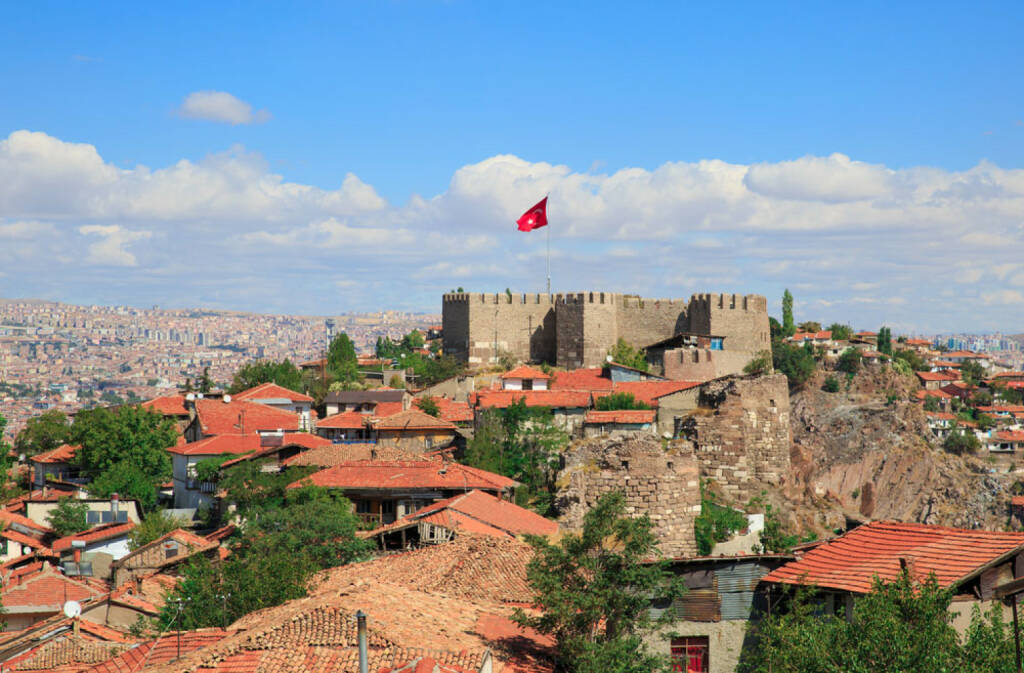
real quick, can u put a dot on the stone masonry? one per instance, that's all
(741, 433)
(662, 483)
(576, 330)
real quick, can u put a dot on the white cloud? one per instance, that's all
(220, 106)
(1003, 297)
(849, 238)
(111, 249)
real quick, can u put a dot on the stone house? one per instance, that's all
(413, 431)
(569, 407)
(378, 401)
(618, 423)
(56, 464)
(160, 554)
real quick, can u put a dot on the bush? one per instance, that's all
(761, 364)
(849, 361)
(716, 523)
(831, 385)
(796, 362)
(68, 517)
(961, 441)
(624, 354)
(618, 401)
(428, 406)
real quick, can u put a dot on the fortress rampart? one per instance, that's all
(577, 329)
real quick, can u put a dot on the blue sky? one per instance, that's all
(419, 99)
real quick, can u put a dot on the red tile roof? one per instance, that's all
(346, 420)
(161, 651)
(524, 372)
(462, 512)
(1010, 435)
(217, 417)
(383, 409)
(937, 376)
(630, 416)
(270, 391)
(556, 399)
(335, 454)
(413, 419)
(236, 444)
(850, 562)
(22, 539)
(44, 591)
(581, 379)
(10, 518)
(648, 392)
(823, 335)
(938, 416)
(168, 405)
(451, 411)
(1017, 500)
(427, 474)
(64, 453)
(941, 394)
(102, 532)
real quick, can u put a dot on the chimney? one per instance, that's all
(138, 584)
(115, 506)
(190, 406)
(363, 656)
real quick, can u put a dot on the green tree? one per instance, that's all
(413, 340)
(68, 517)
(253, 490)
(840, 332)
(617, 401)
(788, 326)
(205, 382)
(809, 326)
(971, 372)
(903, 626)
(912, 358)
(128, 435)
(716, 523)
(796, 362)
(884, 341)
(831, 385)
(342, 361)
(760, 364)
(258, 372)
(624, 354)
(271, 561)
(594, 591)
(127, 480)
(156, 524)
(849, 361)
(961, 441)
(43, 433)
(428, 406)
(931, 404)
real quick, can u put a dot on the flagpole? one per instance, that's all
(548, 230)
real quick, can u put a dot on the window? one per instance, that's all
(362, 507)
(527, 384)
(92, 517)
(716, 343)
(387, 507)
(429, 441)
(3, 546)
(690, 655)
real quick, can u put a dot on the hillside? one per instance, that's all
(856, 456)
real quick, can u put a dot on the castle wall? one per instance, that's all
(741, 434)
(523, 325)
(693, 364)
(742, 319)
(661, 483)
(586, 328)
(645, 321)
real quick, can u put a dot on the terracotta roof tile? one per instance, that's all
(525, 372)
(64, 453)
(238, 444)
(648, 392)
(335, 454)
(451, 411)
(44, 591)
(346, 420)
(102, 532)
(850, 561)
(412, 419)
(631, 416)
(581, 379)
(556, 399)
(168, 405)
(427, 474)
(270, 391)
(937, 376)
(153, 653)
(217, 417)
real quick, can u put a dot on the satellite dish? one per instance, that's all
(72, 609)
(609, 358)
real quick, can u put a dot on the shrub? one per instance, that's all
(831, 385)
(849, 361)
(617, 401)
(761, 364)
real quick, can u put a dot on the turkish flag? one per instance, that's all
(535, 217)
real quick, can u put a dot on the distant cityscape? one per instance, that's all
(67, 357)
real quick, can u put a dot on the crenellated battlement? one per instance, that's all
(499, 298)
(730, 302)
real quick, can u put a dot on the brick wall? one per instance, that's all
(741, 434)
(524, 325)
(661, 483)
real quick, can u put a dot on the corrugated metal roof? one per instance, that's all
(736, 604)
(699, 605)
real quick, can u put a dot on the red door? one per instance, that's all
(690, 655)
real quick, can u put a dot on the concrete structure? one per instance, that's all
(577, 330)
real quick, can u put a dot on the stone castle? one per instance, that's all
(577, 330)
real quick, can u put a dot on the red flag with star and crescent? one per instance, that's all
(535, 217)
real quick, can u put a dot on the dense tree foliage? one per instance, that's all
(972, 373)
(788, 326)
(342, 361)
(902, 626)
(831, 385)
(522, 443)
(840, 332)
(156, 524)
(809, 326)
(594, 591)
(796, 362)
(884, 341)
(849, 361)
(429, 406)
(429, 369)
(912, 358)
(624, 354)
(716, 523)
(253, 491)
(272, 560)
(68, 517)
(617, 401)
(961, 441)
(258, 372)
(42, 433)
(124, 450)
